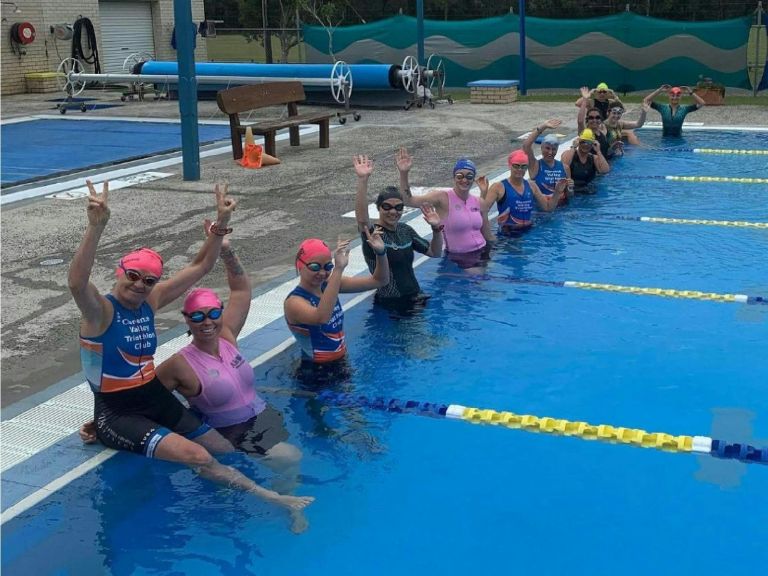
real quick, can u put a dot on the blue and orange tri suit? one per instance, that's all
(320, 343)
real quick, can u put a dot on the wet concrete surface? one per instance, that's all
(278, 207)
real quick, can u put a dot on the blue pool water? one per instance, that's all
(403, 494)
(44, 148)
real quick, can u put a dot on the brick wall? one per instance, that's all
(492, 95)
(45, 53)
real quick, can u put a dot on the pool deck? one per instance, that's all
(306, 195)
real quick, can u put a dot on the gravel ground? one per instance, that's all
(278, 207)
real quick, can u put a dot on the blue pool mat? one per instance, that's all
(44, 148)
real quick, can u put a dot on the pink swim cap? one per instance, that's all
(517, 157)
(310, 249)
(142, 259)
(200, 298)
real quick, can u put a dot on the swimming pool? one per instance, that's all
(46, 147)
(414, 495)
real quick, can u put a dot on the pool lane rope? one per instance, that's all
(727, 151)
(689, 221)
(637, 290)
(710, 151)
(664, 220)
(717, 179)
(556, 426)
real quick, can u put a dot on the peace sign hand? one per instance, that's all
(98, 211)
(224, 206)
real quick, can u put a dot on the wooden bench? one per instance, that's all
(244, 98)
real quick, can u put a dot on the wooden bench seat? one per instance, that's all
(235, 101)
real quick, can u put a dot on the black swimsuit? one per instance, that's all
(583, 173)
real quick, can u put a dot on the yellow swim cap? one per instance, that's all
(602, 86)
(587, 134)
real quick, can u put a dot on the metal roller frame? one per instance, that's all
(72, 81)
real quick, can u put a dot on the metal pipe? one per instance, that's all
(173, 79)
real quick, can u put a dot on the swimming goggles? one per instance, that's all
(316, 266)
(198, 315)
(397, 207)
(467, 177)
(135, 276)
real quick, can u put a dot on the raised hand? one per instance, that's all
(585, 92)
(686, 89)
(552, 123)
(224, 205)
(98, 211)
(403, 160)
(430, 213)
(363, 166)
(482, 184)
(666, 87)
(341, 255)
(375, 240)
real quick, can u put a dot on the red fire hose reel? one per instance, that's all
(23, 33)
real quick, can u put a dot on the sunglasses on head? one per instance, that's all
(135, 276)
(588, 142)
(460, 176)
(198, 315)
(316, 266)
(602, 91)
(387, 206)
(518, 166)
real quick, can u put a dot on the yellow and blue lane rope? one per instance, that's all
(556, 426)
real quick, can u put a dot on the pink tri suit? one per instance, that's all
(227, 396)
(463, 225)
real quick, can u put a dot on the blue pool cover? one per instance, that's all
(44, 148)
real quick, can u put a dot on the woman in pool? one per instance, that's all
(515, 195)
(547, 172)
(312, 309)
(402, 292)
(618, 130)
(218, 382)
(600, 97)
(133, 410)
(673, 114)
(464, 218)
(585, 161)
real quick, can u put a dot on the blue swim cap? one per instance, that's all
(464, 164)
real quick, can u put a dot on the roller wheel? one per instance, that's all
(356, 116)
(450, 100)
(123, 98)
(431, 104)
(62, 110)
(82, 108)
(342, 120)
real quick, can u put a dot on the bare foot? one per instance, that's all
(294, 502)
(299, 522)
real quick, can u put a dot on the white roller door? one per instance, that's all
(126, 28)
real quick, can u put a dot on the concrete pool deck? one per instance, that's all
(279, 206)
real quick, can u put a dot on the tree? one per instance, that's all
(329, 14)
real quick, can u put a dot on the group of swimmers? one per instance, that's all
(134, 405)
